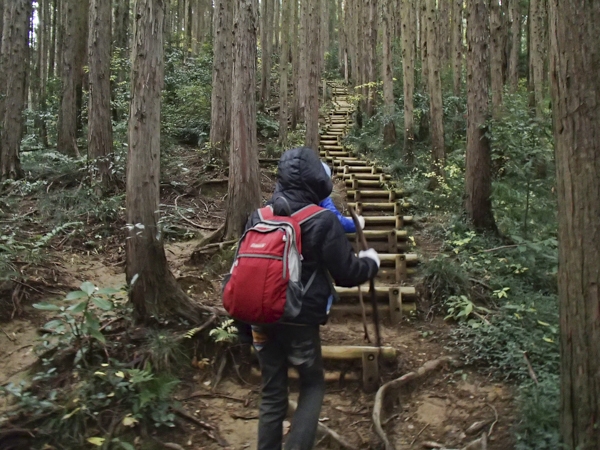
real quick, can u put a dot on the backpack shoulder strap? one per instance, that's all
(266, 213)
(307, 212)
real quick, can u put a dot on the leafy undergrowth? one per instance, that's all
(500, 290)
(101, 380)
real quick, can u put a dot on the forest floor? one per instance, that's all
(437, 410)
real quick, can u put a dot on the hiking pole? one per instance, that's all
(361, 236)
(360, 294)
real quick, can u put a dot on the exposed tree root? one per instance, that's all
(428, 367)
(210, 249)
(324, 430)
(211, 430)
(217, 236)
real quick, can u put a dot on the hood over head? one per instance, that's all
(327, 169)
(301, 177)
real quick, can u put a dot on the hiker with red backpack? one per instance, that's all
(280, 282)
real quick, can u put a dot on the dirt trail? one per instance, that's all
(19, 338)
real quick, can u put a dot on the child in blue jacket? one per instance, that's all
(346, 222)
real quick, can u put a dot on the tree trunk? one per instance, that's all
(537, 13)
(276, 25)
(324, 33)
(387, 75)
(266, 43)
(1, 19)
(365, 58)
(303, 57)
(311, 111)
(220, 116)
(53, 41)
(372, 56)
(244, 173)
(574, 62)
(478, 176)
(442, 29)
(189, 25)
(424, 45)
(120, 36)
(154, 292)
(121, 27)
(457, 45)
(295, 51)
(515, 48)
(100, 141)
(409, 34)
(283, 72)
(497, 51)
(75, 17)
(436, 112)
(15, 58)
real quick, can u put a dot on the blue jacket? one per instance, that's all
(346, 222)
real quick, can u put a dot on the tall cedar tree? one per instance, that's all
(220, 105)
(409, 36)
(74, 45)
(266, 43)
(575, 76)
(120, 39)
(15, 51)
(387, 74)
(1, 18)
(371, 56)
(436, 111)
(154, 291)
(478, 176)
(311, 111)
(283, 72)
(457, 44)
(100, 137)
(515, 47)
(295, 52)
(244, 171)
(537, 47)
(497, 47)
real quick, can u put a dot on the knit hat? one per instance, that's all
(327, 169)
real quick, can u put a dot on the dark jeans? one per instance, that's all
(299, 347)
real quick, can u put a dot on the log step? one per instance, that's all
(371, 235)
(349, 352)
(360, 183)
(374, 196)
(356, 169)
(384, 310)
(330, 376)
(383, 177)
(383, 241)
(380, 291)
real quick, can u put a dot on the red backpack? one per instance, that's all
(264, 285)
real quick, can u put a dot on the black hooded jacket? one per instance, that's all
(302, 180)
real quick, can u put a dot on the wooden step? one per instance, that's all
(366, 208)
(368, 176)
(380, 290)
(330, 376)
(342, 170)
(383, 241)
(374, 196)
(408, 309)
(349, 352)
